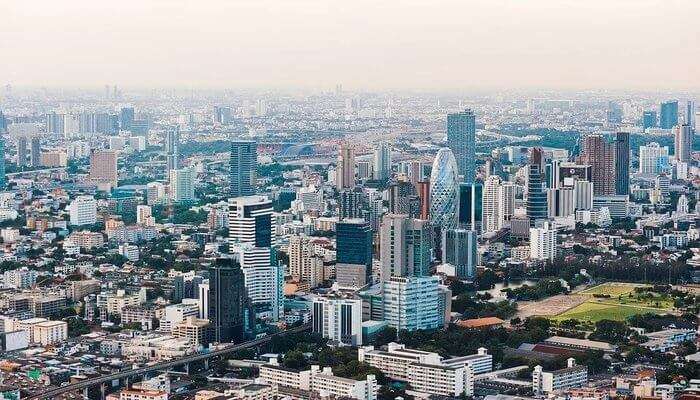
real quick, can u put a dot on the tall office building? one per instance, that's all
(405, 245)
(55, 123)
(412, 303)
(583, 195)
(345, 168)
(461, 139)
(653, 159)
(382, 162)
(471, 206)
(351, 203)
(690, 114)
(3, 123)
(227, 301)
(459, 249)
(507, 200)
(182, 184)
(423, 190)
(353, 253)
(403, 199)
(683, 143)
(492, 220)
(648, 120)
(600, 155)
(443, 191)
(172, 149)
(222, 114)
(614, 113)
(536, 204)
(243, 166)
(560, 202)
(83, 211)
(622, 163)
(668, 115)
(21, 151)
(126, 118)
(543, 243)
(338, 319)
(103, 169)
(304, 264)
(35, 156)
(251, 241)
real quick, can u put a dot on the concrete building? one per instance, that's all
(412, 303)
(338, 319)
(103, 169)
(543, 242)
(83, 211)
(544, 383)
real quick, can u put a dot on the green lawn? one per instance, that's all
(613, 289)
(593, 312)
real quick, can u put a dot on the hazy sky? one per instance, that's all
(428, 44)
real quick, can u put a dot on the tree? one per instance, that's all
(385, 336)
(610, 331)
(295, 360)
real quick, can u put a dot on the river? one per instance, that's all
(496, 293)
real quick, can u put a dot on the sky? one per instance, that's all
(361, 44)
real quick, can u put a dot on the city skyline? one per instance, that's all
(406, 45)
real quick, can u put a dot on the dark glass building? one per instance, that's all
(470, 205)
(242, 168)
(354, 243)
(622, 163)
(536, 205)
(228, 301)
(126, 118)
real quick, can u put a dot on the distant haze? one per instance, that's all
(379, 44)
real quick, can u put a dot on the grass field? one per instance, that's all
(613, 289)
(619, 306)
(594, 312)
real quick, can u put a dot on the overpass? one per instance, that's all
(164, 365)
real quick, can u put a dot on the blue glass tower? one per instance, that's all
(668, 117)
(443, 191)
(461, 139)
(649, 119)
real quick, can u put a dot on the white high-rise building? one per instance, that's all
(304, 264)
(144, 215)
(507, 201)
(682, 206)
(683, 142)
(382, 162)
(543, 242)
(412, 303)
(83, 211)
(338, 319)
(182, 184)
(560, 202)
(491, 204)
(653, 159)
(251, 241)
(155, 193)
(583, 195)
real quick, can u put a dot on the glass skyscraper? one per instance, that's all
(227, 301)
(443, 190)
(649, 119)
(242, 168)
(668, 117)
(622, 163)
(470, 205)
(354, 242)
(172, 149)
(536, 205)
(461, 139)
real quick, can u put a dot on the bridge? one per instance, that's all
(164, 365)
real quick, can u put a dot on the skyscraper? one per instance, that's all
(683, 143)
(622, 163)
(470, 206)
(35, 156)
(443, 191)
(423, 190)
(600, 155)
(182, 184)
(461, 139)
(382, 162)
(653, 159)
(543, 243)
(227, 301)
(103, 169)
(351, 203)
(404, 246)
(353, 253)
(403, 199)
(668, 115)
(492, 219)
(345, 168)
(649, 119)
(536, 204)
(21, 151)
(126, 118)
(243, 166)
(459, 249)
(690, 114)
(251, 241)
(172, 149)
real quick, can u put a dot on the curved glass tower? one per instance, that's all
(444, 181)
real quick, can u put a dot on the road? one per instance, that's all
(161, 365)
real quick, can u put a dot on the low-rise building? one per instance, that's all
(544, 383)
